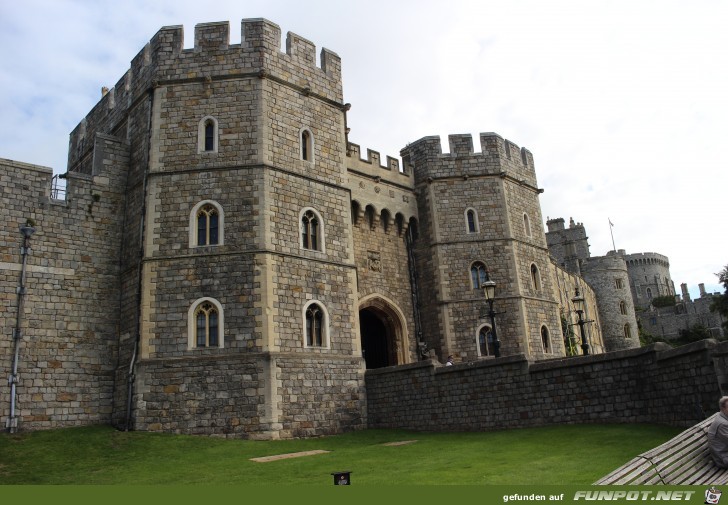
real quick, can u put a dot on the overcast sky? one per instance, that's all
(624, 104)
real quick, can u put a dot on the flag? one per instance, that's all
(610, 222)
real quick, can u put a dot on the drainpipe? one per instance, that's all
(140, 275)
(12, 422)
(421, 344)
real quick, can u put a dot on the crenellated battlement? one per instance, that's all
(257, 36)
(491, 144)
(647, 258)
(372, 166)
(497, 156)
(164, 60)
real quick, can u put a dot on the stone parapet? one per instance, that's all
(655, 384)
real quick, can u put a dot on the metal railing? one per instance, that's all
(58, 187)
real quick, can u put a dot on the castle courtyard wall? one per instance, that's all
(655, 384)
(68, 349)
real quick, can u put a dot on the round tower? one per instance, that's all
(608, 277)
(649, 277)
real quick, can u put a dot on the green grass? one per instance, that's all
(578, 454)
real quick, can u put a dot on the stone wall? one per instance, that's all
(71, 319)
(667, 322)
(649, 277)
(566, 283)
(498, 187)
(648, 385)
(607, 275)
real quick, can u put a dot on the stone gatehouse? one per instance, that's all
(226, 261)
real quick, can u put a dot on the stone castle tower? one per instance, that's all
(649, 275)
(226, 262)
(480, 212)
(607, 275)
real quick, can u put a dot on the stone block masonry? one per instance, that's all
(655, 384)
(69, 347)
(227, 263)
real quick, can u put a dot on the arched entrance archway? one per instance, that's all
(382, 330)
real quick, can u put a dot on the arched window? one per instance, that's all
(545, 339)
(622, 308)
(205, 324)
(627, 331)
(485, 341)
(385, 217)
(316, 325)
(355, 209)
(413, 231)
(649, 294)
(369, 213)
(312, 233)
(206, 224)
(535, 278)
(478, 274)
(527, 225)
(399, 222)
(306, 145)
(207, 135)
(471, 221)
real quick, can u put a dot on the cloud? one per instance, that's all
(622, 104)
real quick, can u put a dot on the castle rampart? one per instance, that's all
(654, 384)
(227, 263)
(566, 284)
(164, 61)
(68, 349)
(497, 157)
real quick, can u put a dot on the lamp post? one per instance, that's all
(489, 291)
(578, 302)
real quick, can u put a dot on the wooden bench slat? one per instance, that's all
(690, 457)
(631, 470)
(684, 459)
(706, 474)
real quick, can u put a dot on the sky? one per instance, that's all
(624, 104)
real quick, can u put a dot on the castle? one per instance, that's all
(649, 279)
(225, 261)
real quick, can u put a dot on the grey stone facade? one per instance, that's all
(668, 322)
(654, 384)
(648, 277)
(607, 276)
(227, 263)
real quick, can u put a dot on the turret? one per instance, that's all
(480, 211)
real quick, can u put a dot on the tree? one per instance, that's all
(693, 334)
(720, 302)
(664, 301)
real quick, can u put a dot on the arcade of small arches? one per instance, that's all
(647, 261)
(371, 217)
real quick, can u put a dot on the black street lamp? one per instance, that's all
(578, 302)
(489, 291)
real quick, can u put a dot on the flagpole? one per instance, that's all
(612, 234)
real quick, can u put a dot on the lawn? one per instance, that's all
(565, 455)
